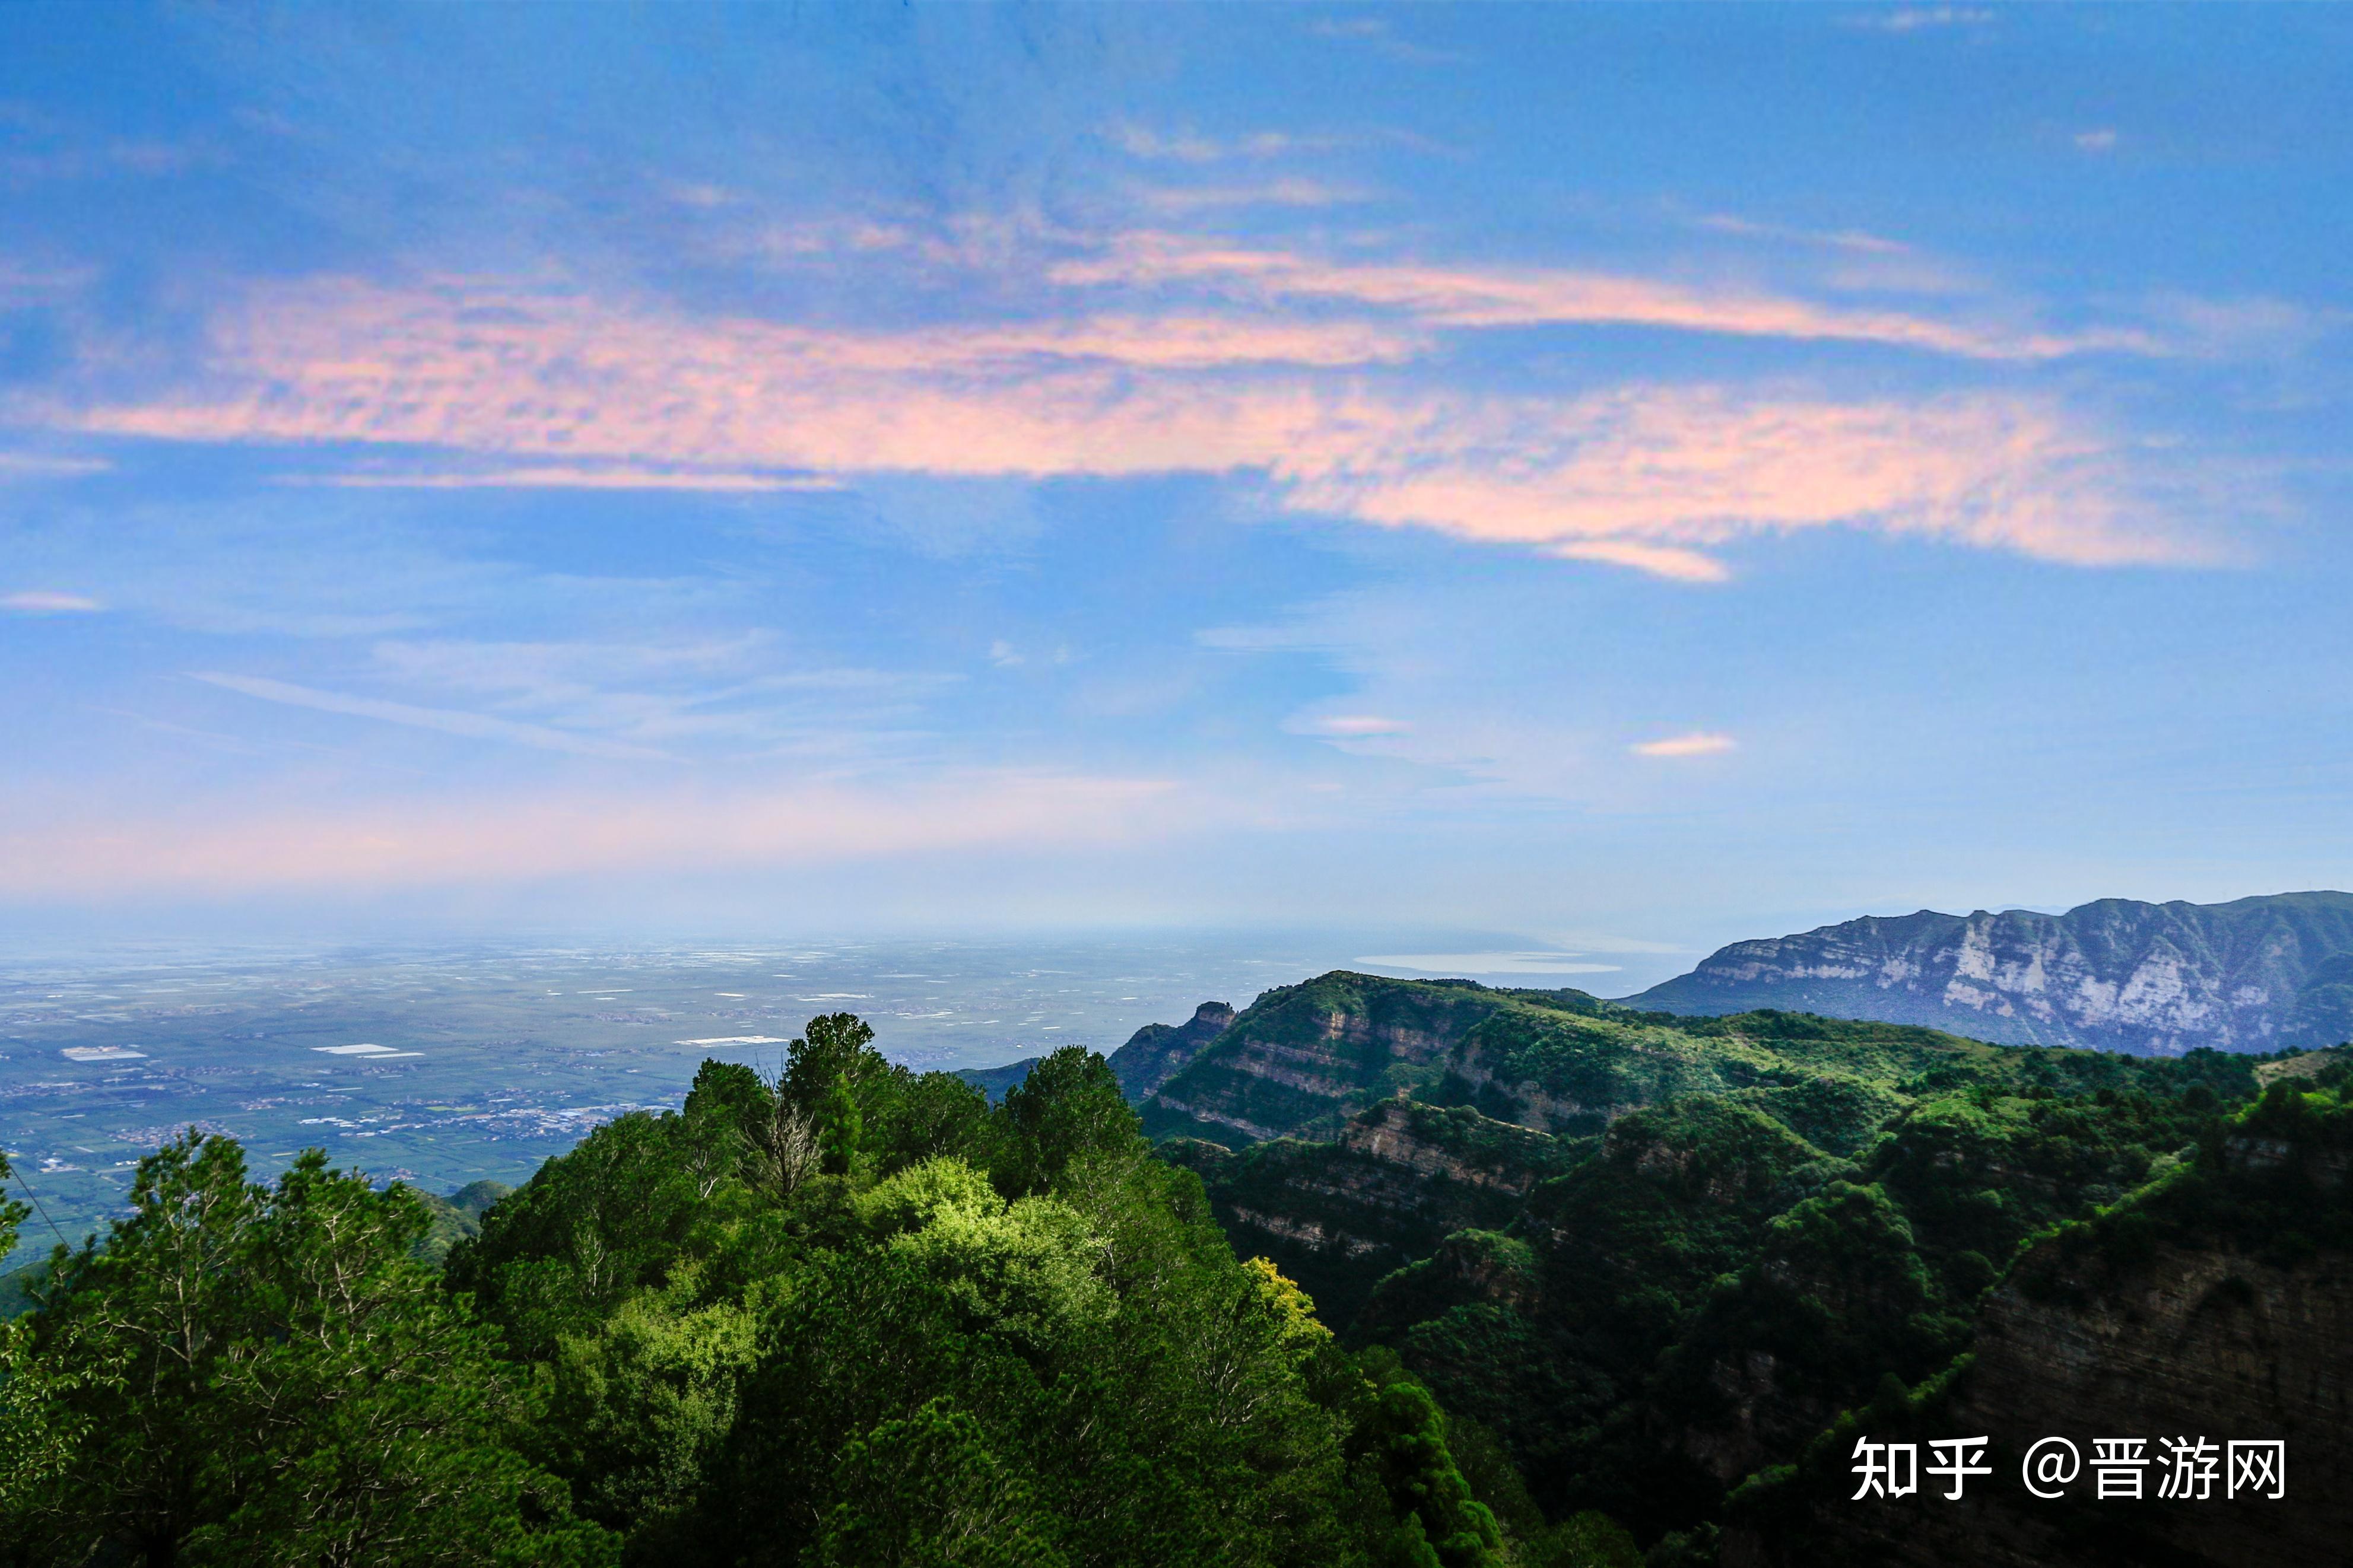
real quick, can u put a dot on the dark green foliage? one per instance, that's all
(930, 1492)
(15, 1286)
(830, 1048)
(11, 1212)
(257, 1375)
(1438, 1521)
(452, 1219)
(1070, 1103)
(1784, 1210)
(1588, 1540)
(1390, 1214)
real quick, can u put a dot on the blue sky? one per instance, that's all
(1608, 477)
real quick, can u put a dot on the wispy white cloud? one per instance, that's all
(1293, 192)
(1375, 33)
(1189, 146)
(2100, 139)
(1355, 726)
(1924, 18)
(1852, 239)
(474, 726)
(1701, 743)
(43, 466)
(48, 602)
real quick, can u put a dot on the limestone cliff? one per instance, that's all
(1304, 1058)
(1400, 1177)
(1158, 1052)
(2257, 975)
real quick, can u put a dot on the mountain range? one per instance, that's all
(1673, 1268)
(2255, 975)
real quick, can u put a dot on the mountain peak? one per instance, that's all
(2253, 974)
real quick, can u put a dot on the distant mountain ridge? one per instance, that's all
(1153, 1055)
(1157, 1052)
(2255, 975)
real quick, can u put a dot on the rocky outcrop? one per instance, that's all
(1158, 1052)
(1304, 1058)
(2257, 975)
(1401, 1177)
(1459, 1146)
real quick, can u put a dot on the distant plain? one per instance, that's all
(487, 1060)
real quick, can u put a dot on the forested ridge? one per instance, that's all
(1657, 1259)
(853, 1315)
(1583, 1288)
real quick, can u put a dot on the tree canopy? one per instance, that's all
(849, 1315)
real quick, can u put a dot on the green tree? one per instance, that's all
(930, 1492)
(260, 1375)
(1439, 1523)
(831, 1045)
(839, 1128)
(1069, 1104)
(11, 1212)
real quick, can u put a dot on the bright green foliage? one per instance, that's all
(257, 1375)
(638, 1410)
(944, 1333)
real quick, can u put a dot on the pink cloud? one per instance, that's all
(1681, 466)
(404, 844)
(1700, 744)
(1658, 560)
(558, 388)
(574, 476)
(1471, 297)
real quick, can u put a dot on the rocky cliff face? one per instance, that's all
(1158, 1052)
(1400, 1177)
(2255, 976)
(1304, 1058)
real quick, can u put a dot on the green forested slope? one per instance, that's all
(1590, 1282)
(856, 1316)
(1738, 1227)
